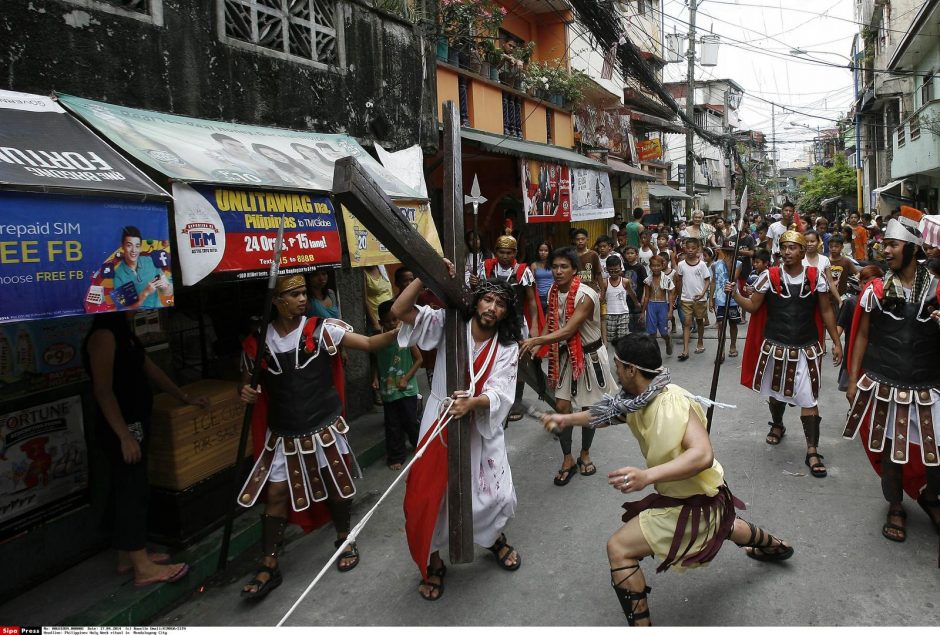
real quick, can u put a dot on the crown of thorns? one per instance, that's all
(496, 287)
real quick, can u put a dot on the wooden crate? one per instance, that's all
(189, 443)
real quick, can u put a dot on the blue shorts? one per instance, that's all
(657, 318)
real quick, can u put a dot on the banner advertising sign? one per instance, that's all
(40, 355)
(43, 147)
(649, 149)
(202, 150)
(43, 464)
(546, 191)
(233, 232)
(591, 197)
(365, 250)
(64, 255)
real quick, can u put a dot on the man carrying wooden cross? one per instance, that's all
(493, 331)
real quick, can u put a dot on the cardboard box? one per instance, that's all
(189, 443)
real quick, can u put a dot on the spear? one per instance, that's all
(723, 328)
(249, 409)
(476, 200)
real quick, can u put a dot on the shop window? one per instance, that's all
(512, 115)
(548, 126)
(144, 10)
(306, 31)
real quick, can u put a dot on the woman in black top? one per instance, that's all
(121, 372)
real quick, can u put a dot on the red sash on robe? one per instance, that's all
(755, 330)
(427, 479)
(913, 473)
(317, 514)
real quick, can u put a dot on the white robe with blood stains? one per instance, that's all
(493, 495)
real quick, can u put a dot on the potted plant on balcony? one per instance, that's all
(463, 22)
(572, 89)
(540, 77)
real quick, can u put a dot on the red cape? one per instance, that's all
(317, 514)
(427, 481)
(913, 473)
(755, 330)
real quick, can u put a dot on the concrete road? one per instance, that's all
(843, 573)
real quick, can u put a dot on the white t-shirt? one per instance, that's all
(694, 279)
(763, 281)
(617, 298)
(603, 260)
(822, 263)
(774, 232)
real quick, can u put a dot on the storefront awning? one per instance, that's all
(664, 191)
(44, 149)
(657, 122)
(827, 201)
(531, 150)
(205, 151)
(892, 189)
(619, 167)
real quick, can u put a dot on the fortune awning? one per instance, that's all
(45, 149)
(664, 191)
(205, 151)
(500, 144)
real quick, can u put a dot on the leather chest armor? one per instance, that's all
(907, 351)
(791, 321)
(302, 398)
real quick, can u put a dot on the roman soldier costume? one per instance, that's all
(897, 404)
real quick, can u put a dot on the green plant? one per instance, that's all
(838, 180)
(464, 21)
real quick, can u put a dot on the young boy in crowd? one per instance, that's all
(620, 293)
(396, 383)
(605, 247)
(657, 299)
(635, 272)
(760, 261)
(723, 271)
(841, 265)
(692, 277)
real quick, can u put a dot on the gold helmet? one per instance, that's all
(506, 242)
(792, 236)
(282, 286)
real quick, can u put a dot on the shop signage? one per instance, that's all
(68, 255)
(546, 191)
(43, 147)
(649, 149)
(365, 250)
(43, 464)
(591, 197)
(202, 150)
(41, 354)
(231, 233)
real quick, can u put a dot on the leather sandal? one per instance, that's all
(889, 526)
(776, 436)
(350, 552)
(263, 586)
(764, 546)
(564, 476)
(503, 561)
(816, 469)
(436, 587)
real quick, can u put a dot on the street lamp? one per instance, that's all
(798, 52)
(817, 142)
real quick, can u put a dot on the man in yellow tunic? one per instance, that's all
(692, 512)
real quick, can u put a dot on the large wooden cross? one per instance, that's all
(355, 189)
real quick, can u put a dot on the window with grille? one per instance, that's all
(512, 115)
(143, 10)
(299, 30)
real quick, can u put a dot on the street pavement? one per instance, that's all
(844, 573)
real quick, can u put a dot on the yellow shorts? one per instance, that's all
(695, 309)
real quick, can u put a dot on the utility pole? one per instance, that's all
(690, 114)
(773, 154)
(726, 160)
